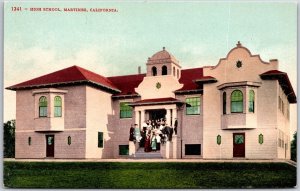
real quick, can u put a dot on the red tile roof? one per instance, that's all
(284, 82)
(121, 85)
(126, 84)
(188, 76)
(65, 76)
(156, 101)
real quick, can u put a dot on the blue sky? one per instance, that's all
(196, 33)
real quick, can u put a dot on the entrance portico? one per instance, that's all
(143, 108)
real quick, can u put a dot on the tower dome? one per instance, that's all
(162, 56)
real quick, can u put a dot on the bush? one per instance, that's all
(294, 148)
(9, 139)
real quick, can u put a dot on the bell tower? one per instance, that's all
(162, 78)
(163, 63)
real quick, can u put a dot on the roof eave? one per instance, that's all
(188, 91)
(205, 81)
(291, 96)
(156, 103)
(125, 96)
(61, 83)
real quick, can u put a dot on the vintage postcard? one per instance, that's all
(150, 94)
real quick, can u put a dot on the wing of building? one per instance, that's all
(236, 109)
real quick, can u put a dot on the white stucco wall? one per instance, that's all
(265, 103)
(98, 108)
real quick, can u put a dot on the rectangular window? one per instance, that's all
(123, 149)
(43, 112)
(57, 111)
(100, 139)
(125, 110)
(193, 149)
(193, 106)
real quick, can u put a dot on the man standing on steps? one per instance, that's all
(131, 134)
(175, 126)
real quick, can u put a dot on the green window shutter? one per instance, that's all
(236, 101)
(125, 110)
(251, 101)
(260, 139)
(69, 140)
(193, 106)
(100, 139)
(219, 139)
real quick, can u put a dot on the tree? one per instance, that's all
(294, 147)
(9, 138)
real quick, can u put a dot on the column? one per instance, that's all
(142, 118)
(174, 115)
(136, 117)
(168, 117)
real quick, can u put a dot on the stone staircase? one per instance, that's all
(140, 154)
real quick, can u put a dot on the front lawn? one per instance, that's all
(148, 175)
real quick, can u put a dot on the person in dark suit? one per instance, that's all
(175, 126)
(131, 134)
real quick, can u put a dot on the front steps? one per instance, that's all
(140, 154)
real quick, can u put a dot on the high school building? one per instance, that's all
(236, 109)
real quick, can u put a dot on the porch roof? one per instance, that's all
(157, 101)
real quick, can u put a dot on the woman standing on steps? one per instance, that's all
(153, 141)
(147, 147)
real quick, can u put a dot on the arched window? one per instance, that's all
(57, 106)
(251, 101)
(154, 71)
(236, 101)
(174, 71)
(43, 106)
(164, 70)
(29, 140)
(224, 103)
(177, 73)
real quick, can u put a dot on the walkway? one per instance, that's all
(154, 160)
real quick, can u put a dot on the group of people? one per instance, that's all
(152, 134)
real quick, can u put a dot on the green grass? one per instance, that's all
(148, 175)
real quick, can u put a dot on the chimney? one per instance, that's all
(139, 70)
(274, 62)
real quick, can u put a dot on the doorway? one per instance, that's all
(49, 145)
(157, 114)
(238, 144)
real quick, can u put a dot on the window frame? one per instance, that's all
(224, 96)
(164, 70)
(127, 110)
(236, 101)
(251, 101)
(57, 105)
(127, 147)
(43, 105)
(187, 112)
(192, 150)
(100, 140)
(154, 71)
